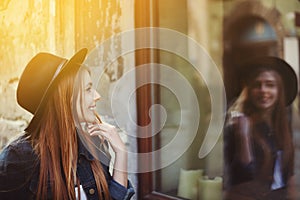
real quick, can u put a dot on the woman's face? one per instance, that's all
(264, 90)
(86, 103)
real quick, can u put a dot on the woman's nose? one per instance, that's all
(97, 96)
(263, 88)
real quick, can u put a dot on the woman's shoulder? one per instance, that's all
(19, 149)
(17, 164)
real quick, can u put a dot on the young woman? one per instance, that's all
(56, 157)
(258, 146)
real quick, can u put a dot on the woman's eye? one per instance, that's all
(89, 89)
(271, 85)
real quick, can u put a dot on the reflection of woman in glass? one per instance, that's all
(55, 158)
(258, 146)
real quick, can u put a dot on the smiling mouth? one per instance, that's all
(264, 100)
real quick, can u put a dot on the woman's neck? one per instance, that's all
(263, 116)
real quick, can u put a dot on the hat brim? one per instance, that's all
(73, 64)
(286, 72)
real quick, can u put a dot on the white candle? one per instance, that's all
(188, 183)
(210, 189)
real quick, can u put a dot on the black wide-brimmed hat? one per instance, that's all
(40, 75)
(286, 72)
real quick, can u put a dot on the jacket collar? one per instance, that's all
(82, 150)
(103, 157)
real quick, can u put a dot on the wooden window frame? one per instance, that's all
(146, 15)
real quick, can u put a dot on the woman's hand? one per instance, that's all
(110, 133)
(243, 138)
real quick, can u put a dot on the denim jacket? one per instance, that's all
(19, 173)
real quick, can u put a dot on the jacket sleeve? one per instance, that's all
(235, 171)
(116, 190)
(119, 192)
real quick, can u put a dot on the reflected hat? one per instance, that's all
(39, 77)
(286, 72)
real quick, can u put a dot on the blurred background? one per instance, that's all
(230, 31)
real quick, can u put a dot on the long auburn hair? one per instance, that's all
(281, 126)
(54, 139)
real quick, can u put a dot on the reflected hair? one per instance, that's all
(279, 116)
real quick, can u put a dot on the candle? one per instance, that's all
(210, 189)
(188, 183)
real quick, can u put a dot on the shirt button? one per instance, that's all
(92, 191)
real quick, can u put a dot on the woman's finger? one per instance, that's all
(94, 128)
(97, 133)
(103, 127)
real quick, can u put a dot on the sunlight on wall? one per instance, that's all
(60, 27)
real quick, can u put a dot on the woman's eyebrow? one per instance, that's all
(90, 84)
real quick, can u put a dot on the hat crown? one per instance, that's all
(36, 78)
(286, 72)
